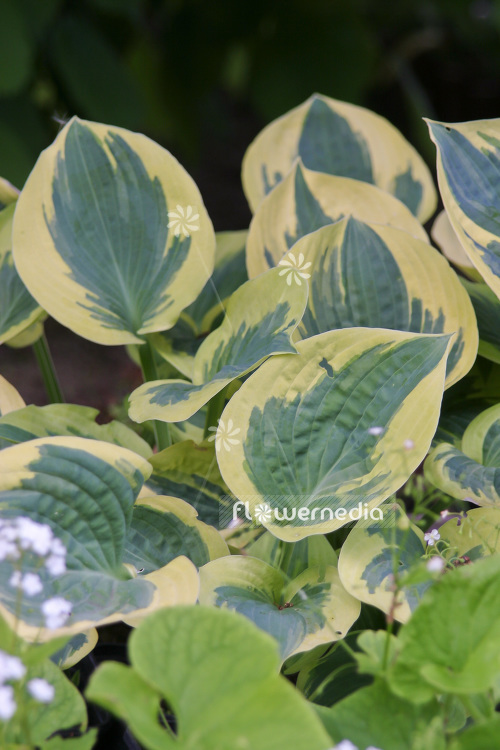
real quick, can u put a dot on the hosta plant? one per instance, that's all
(306, 482)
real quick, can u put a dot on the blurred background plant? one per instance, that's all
(203, 77)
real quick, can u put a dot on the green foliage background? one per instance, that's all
(203, 77)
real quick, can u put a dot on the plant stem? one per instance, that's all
(46, 365)
(149, 372)
(215, 408)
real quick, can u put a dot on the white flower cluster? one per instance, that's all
(348, 745)
(22, 535)
(12, 668)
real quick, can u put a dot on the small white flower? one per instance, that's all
(41, 690)
(57, 548)
(183, 220)
(16, 579)
(31, 584)
(345, 745)
(35, 536)
(432, 537)
(56, 611)
(375, 430)
(444, 513)
(11, 668)
(56, 565)
(263, 513)
(8, 549)
(224, 436)
(294, 268)
(435, 564)
(7, 703)
(408, 445)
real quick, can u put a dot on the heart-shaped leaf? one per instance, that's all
(103, 198)
(381, 277)
(358, 394)
(305, 201)
(338, 139)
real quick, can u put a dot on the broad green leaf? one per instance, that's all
(445, 238)
(67, 709)
(179, 345)
(18, 309)
(293, 558)
(478, 737)
(190, 471)
(67, 419)
(10, 399)
(371, 555)
(375, 717)
(123, 241)
(8, 193)
(85, 742)
(471, 472)
(175, 655)
(76, 649)
(338, 139)
(450, 645)
(468, 167)
(487, 308)
(381, 277)
(300, 612)
(305, 201)
(475, 536)
(249, 334)
(339, 386)
(163, 528)
(85, 491)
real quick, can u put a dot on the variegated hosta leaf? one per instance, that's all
(179, 345)
(190, 471)
(18, 309)
(67, 419)
(76, 649)
(487, 308)
(293, 558)
(163, 528)
(228, 275)
(111, 236)
(468, 167)
(445, 238)
(369, 557)
(85, 491)
(339, 139)
(10, 399)
(8, 193)
(29, 335)
(319, 609)
(475, 536)
(378, 276)
(260, 319)
(473, 472)
(305, 201)
(358, 396)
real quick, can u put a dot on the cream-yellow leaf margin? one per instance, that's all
(351, 133)
(111, 236)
